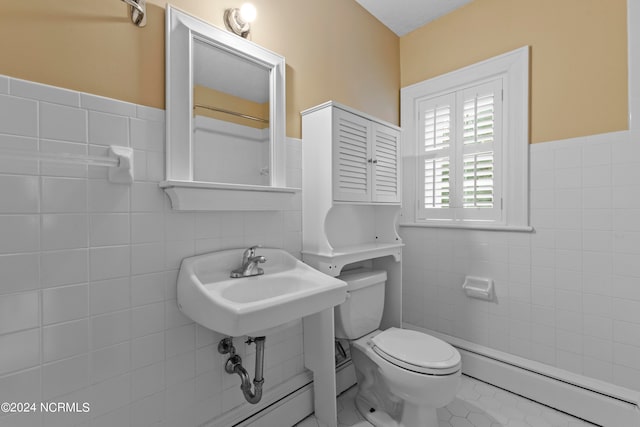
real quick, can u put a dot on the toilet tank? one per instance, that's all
(361, 313)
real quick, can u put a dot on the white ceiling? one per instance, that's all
(404, 16)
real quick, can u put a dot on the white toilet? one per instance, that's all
(403, 375)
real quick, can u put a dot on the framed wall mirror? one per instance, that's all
(225, 110)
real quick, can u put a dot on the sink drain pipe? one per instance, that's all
(234, 366)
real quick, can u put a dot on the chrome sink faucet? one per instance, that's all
(250, 263)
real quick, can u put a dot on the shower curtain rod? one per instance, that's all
(233, 113)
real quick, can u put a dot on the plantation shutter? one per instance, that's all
(480, 109)
(435, 149)
(459, 151)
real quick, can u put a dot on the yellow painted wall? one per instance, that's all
(578, 57)
(334, 50)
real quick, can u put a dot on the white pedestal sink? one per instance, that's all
(256, 305)
(288, 290)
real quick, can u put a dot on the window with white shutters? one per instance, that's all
(468, 133)
(459, 142)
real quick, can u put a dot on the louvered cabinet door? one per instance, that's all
(386, 159)
(351, 157)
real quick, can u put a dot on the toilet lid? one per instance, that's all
(416, 351)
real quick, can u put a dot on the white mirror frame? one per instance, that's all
(181, 30)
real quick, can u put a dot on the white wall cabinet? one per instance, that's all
(351, 196)
(366, 156)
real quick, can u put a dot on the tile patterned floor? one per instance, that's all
(477, 405)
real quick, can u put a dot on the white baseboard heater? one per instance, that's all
(592, 400)
(289, 409)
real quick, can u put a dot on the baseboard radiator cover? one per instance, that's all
(271, 400)
(281, 409)
(592, 400)
(287, 411)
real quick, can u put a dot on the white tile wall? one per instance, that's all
(568, 293)
(88, 271)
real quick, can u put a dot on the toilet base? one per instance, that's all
(374, 415)
(389, 396)
(412, 415)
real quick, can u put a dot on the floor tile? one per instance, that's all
(477, 404)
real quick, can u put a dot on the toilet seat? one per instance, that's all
(416, 351)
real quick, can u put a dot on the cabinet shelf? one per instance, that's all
(332, 262)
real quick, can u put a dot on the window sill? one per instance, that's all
(486, 227)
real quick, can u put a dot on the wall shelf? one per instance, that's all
(208, 196)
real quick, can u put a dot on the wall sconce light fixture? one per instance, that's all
(238, 20)
(138, 11)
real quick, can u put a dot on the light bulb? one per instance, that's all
(248, 12)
